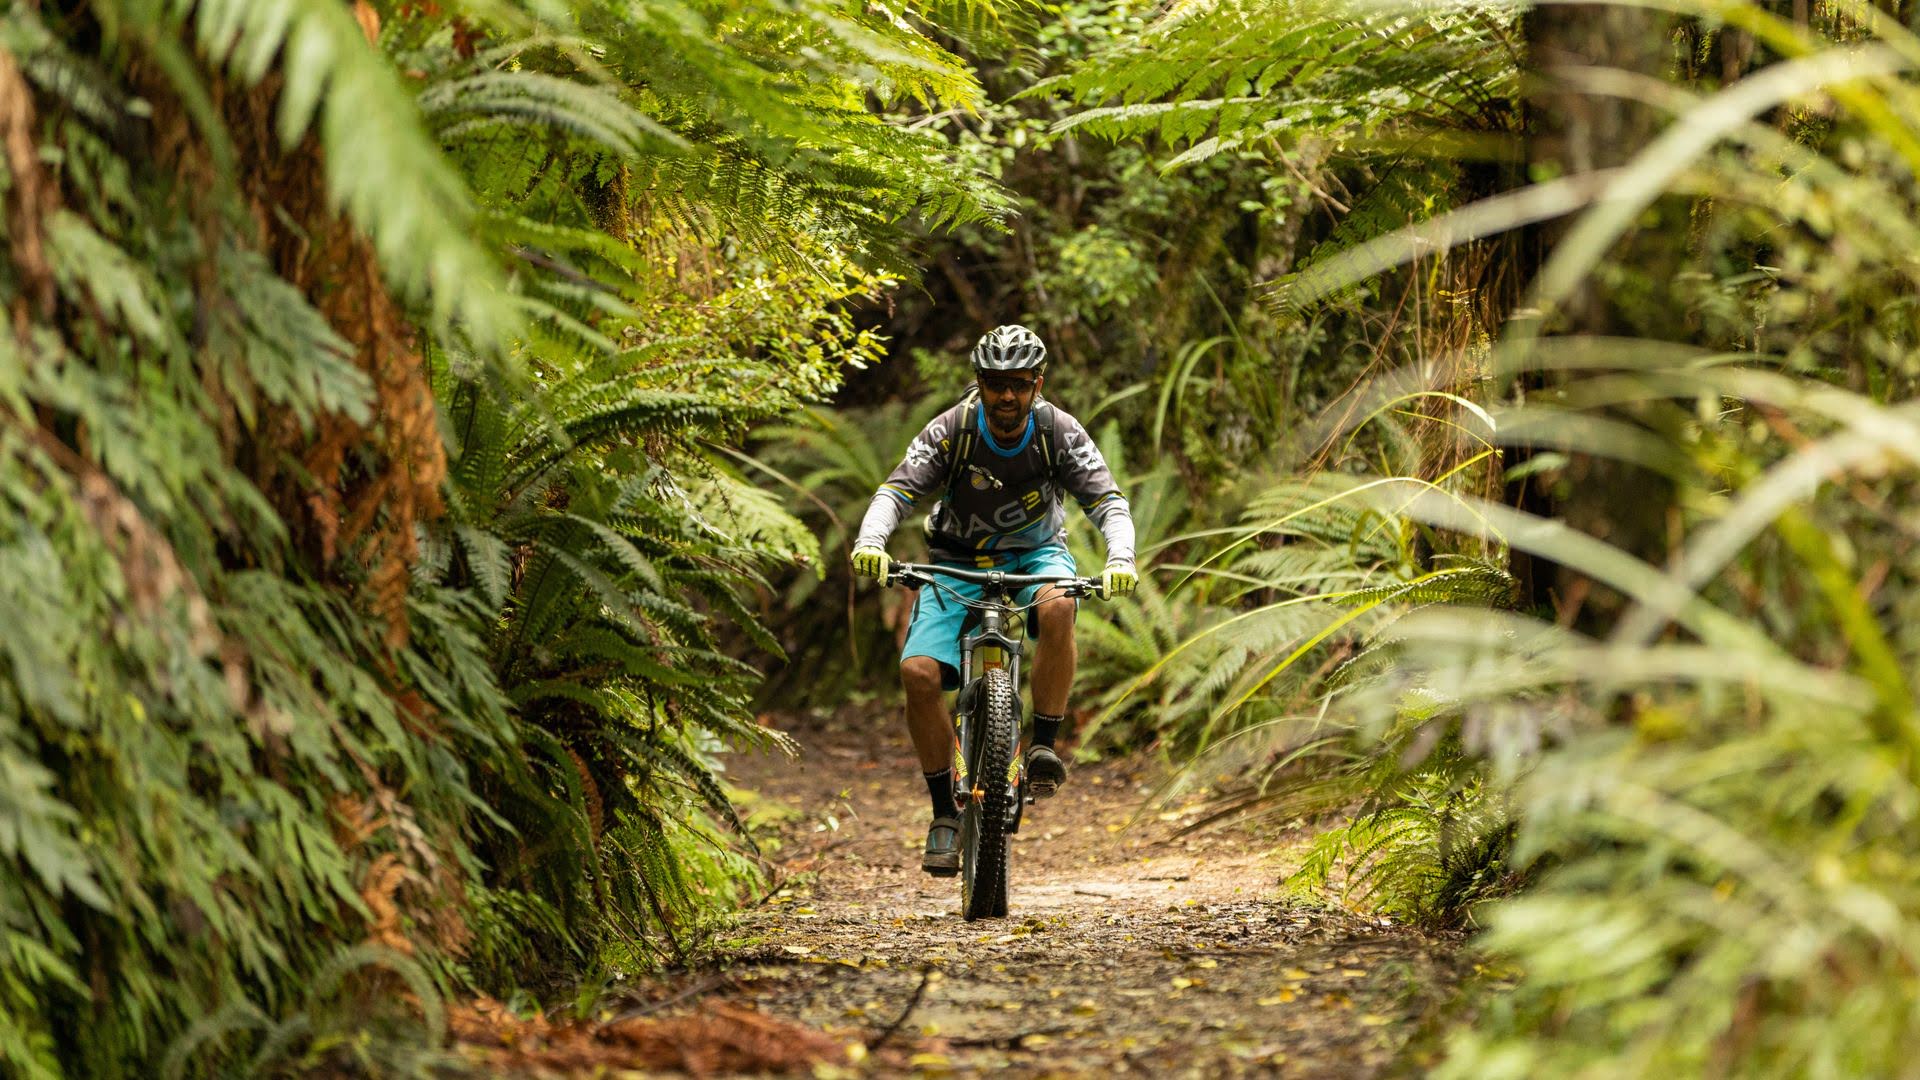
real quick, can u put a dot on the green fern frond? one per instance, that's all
(382, 169)
(1465, 582)
(712, 796)
(464, 106)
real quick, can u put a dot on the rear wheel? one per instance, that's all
(983, 825)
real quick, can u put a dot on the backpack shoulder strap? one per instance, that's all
(1043, 431)
(962, 443)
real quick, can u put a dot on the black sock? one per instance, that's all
(940, 786)
(1046, 729)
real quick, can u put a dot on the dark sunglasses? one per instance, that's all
(1007, 384)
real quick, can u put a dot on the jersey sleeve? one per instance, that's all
(1084, 473)
(921, 472)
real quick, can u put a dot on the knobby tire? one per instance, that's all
(984, 823)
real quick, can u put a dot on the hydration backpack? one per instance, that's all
(969, 436)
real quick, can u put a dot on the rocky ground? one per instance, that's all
(1129, 947)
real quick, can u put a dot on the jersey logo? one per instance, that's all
(1086, 455)
(919, 453)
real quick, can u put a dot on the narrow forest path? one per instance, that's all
(1128, 949)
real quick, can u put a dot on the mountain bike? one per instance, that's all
(989, 777)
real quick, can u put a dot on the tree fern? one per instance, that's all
(1254, 75)
(300, 730)
(381, 168)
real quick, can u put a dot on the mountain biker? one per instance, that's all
(999, 466)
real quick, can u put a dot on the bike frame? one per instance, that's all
(996, 642)
(987, 724)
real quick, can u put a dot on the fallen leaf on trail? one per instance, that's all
(1376, 1020)
(1295, 974)
(797, 950)
(1285, 995)
(921, 1061)
(1034, 1042)
(1351, 973)
(1086, 1008)
(1207, 963)
(1182, 983)
(719, 1038)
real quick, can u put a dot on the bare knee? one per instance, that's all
(1055, 615)
(920, 675)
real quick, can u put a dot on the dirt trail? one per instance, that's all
(1127, 949)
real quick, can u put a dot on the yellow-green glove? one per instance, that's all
(871, 562)
(1118, 580)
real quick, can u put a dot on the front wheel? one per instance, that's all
(983, 825)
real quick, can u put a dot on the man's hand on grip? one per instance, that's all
(1118, 580)
(871, 562)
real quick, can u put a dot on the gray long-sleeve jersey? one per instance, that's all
(1003, 500)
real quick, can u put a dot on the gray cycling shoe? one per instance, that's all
(942, 856)
(1045, 771)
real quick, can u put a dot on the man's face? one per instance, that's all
(1007, 395)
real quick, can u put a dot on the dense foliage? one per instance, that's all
(1695, 735)
(367, 557)
(1547, 408)
(1512, 404)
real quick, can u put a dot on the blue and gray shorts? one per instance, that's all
(937, 617)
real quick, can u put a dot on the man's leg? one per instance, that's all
(933, 646)
(1054, 658)
(1055, 655)
(932, 732)
(927, 719)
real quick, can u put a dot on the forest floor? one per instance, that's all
(1129, 948)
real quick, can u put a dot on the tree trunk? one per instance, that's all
(1569, 133)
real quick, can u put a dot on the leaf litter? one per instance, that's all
(1129, 951)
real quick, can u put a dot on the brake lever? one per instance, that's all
(900, 578)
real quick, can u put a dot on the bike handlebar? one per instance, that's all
(923, 572)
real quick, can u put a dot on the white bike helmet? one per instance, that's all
(1009, 348)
